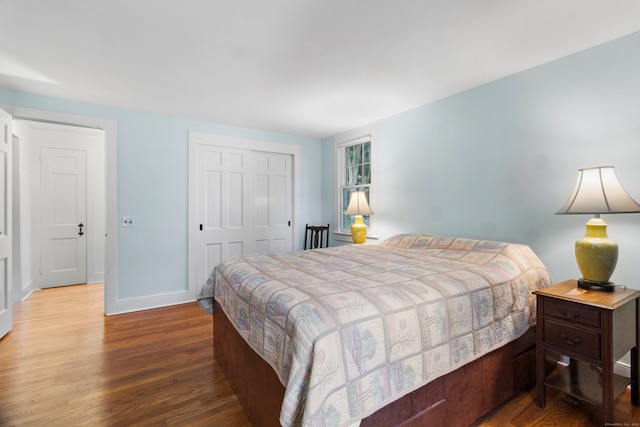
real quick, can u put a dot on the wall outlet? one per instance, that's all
(128, 221)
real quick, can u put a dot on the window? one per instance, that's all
(355, 171)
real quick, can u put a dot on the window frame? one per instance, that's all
(341, 143)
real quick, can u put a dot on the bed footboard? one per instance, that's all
(456, 399)
(465, 395)
(252, 379)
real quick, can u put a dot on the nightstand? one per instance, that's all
(594, 330)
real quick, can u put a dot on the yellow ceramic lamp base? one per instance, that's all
(358, 230)
(597, 255)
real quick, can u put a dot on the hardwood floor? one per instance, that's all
(522, 411)
(65, 364)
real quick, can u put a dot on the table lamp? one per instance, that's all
(597, 192)
(358, 206)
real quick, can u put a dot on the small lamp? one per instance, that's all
(598, 191)
(358, 206)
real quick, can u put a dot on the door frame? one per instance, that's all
(201, 138)
(110, 128)
(6, 224)
(37, 136)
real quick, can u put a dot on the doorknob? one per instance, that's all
(80, 233)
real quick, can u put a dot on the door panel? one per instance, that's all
(64, 217)
(222, 196)
(273, 201)
(6, 302)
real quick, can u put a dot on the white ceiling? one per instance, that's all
(304, 67)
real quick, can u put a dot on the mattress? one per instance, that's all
(349, 329)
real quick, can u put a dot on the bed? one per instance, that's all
(418, 329)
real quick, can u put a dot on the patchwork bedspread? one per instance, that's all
(349, 329)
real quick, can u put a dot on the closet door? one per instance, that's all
(224, 204)
(272, 202)
(244, 205)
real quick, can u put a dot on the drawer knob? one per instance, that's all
(568, 341)
(567, 315)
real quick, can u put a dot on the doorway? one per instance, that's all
(62, 205)
(110, 127)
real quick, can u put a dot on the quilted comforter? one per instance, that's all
(350, 329)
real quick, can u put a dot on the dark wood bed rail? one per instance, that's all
(456, 399)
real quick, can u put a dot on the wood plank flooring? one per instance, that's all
(65, 364)
(522, 411)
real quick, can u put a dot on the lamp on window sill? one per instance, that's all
(358, 206)
(597, 192)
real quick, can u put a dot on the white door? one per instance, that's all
(272, 202)
(64, 216)
(223, 206)
(243, 203)
(6, 303)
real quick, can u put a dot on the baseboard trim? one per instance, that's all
(619, 368)
(622, 369)
(129, 305)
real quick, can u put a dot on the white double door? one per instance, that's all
(244, 204)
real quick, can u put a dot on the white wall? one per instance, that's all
(496, 162)
(20, 289)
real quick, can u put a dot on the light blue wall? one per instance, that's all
(153, 187)
(496, 162)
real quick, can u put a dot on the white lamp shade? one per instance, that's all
(598, 191)
(358, 204)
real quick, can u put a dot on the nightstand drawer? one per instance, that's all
(576, 340)
(573, 312)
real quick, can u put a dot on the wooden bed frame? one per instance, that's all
(456, 399)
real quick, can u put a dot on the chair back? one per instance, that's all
(316, 236)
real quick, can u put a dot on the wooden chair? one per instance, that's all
(314, 236)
